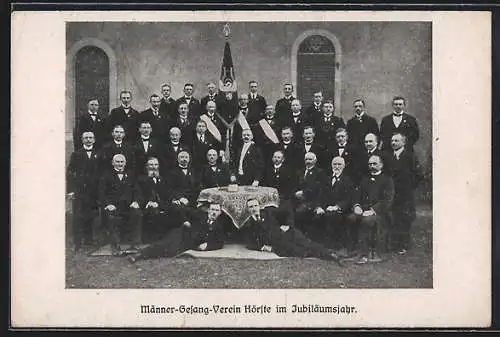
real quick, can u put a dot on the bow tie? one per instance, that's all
(88, 150)
(145, 139)
(397, 115)
(341, 146)
(93, 115)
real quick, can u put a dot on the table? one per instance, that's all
(234, 204)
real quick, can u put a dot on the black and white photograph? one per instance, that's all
(258, 155)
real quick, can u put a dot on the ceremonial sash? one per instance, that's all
(211, 127)
(268, 131)
(243, 121)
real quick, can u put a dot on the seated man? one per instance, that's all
(199, 231)
(214, 173)
(372, 211)
(119, 198)
(265, 233)
(332, 207)
(155, 201)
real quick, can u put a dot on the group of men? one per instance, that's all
(344, 187)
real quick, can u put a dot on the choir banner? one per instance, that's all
(160, 121)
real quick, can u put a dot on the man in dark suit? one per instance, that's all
(372, 212)
(310, 144)
(199, 231)
(168, 107)
(193, 104)
(284, 105)
(342, 148)
(360, 161)
(155, 201)
(249, 162)
(202, 142)
(125, 116)
(315, 110)
(399, 122)
(238, 129)
(82, 173)
(212, 96)
(265, 232)
(171, 150)
(360, 125)
(256, 103)
(311, 180)
(156, 118)
(184, 182)
(92, 121)
(403, 166)
(296, 118)
(289, 146)
(186, 122)
(266, 133)
(214, 173)
(119, 199)
(145, 147)
(327, 124)
(333, 206)
(118, 146)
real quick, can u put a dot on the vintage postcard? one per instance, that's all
(251, 169)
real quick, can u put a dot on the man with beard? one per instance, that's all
(372, 212)
(249, 162)
(82, 173)
(333, 206)
(214, 173)
(155, 201)
(167, 104)
(158, 120)
(119, 198)
(145, 147)
(92, 121)
(403, 166)
(172, 149)
(360, 125)
(126, 116)
(265, 232)
(199, 231)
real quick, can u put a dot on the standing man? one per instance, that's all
(310, 144)
(342, 149)
(154, 116)
(249, 162)
(92, 121)
(403, 166)
(193, 104)
(326, 125)
(202, 142)
(360, 125)
(372, 211)
(256, 103)
(212, 96)
(289, 146)
(185, 121)
(172, 149)
(118, 146)
(266, 134)
(295, 118)
(284, 105)
(360, 162)
(145, 147)
(119, 198)
(315, 110)
(126, 116)
(399, 122)
(82, 178)
(167, 104)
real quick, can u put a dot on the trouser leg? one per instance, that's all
(135, 226)
(113, 225)
(367, 227)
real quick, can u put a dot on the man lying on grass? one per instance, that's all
(199, 231)
(264, 233)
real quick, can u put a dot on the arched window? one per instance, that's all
(316, 66)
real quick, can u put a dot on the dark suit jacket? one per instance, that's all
(140, 155)
(168, 107)
(316, 148)
(201, 232)
(253, 163)
(348, 154)
(83, 173)
(187, 128)
(260, 138)
(408, 127)
(184, 185)
(203, 102)
(357, 130)
(200, 149)
(359, 164)
(291, 157)
(376, 192)
(85, 123)
(297, 127)
(256, 108)
(122, 193)
(159, 124)
(283, 108)
(194, 106)
(284, 180)
(110, 149)
(325, 131)
(313, 112)
(130, 122)
(218, 178)
(311, 184)
(169, 156)
(341, 193)
(155, 192)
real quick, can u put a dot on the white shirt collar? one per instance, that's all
(360, 115)
(398, 152)
(278, 166)
(118, 143)
(88, 148)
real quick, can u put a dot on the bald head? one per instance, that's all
(119, 162)
(371, 141)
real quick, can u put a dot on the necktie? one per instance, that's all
(120, 176)
(305, 174)
(155, 180)
(334, 180)
(327, 119)
(89, 153)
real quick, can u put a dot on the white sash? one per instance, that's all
(243, 121)
(268, 131)
(211, 127)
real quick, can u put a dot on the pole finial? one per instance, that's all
(227, 31)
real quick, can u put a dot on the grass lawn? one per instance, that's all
(413, 270)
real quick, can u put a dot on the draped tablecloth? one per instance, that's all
(234, 204)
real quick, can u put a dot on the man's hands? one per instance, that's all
(319, 211)
(334, 208)
(285, 228)
(203, 246)
(255, 183)
(182, 201)
(358, 210)
(152, 204)
(369, 212)
(110, 208)
(186, 224)
(266, 248)
(134, 204)
(299, 194)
